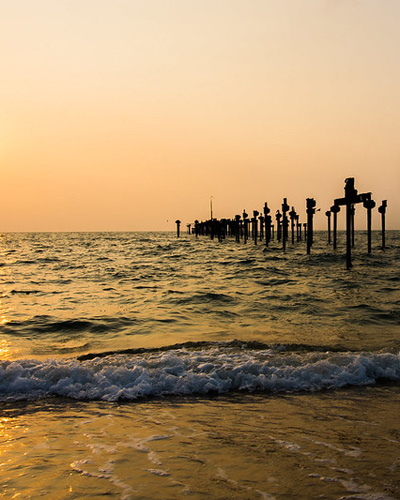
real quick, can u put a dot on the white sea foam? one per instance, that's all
(185, 372)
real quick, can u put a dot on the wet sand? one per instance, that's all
(335, 445)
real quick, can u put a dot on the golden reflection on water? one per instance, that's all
(5, 351)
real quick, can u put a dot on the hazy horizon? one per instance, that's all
(127, 115)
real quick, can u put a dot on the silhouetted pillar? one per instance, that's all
(369, 205)
(261, 219)
(267, 224)
(245, 226)
(335, 209)
(292, 215)
(298, 227)
(254, 223)
(305, 230)
(285, 222)
(278, 216)
(178, 228)
(311, 203)
(237, 228)
(382, 211)
(328, 214)
(351, 197)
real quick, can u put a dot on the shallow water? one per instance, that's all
(137, 365)
(327, 445)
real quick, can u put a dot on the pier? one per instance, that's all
(260, 228)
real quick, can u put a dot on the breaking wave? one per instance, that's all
(201, 368)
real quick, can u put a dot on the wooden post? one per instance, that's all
(237, 228)
(382, 211)
(245, 227)
(285, 223)
(261, 219)
(254, 222)
(351, 197)
(335, 209)
(178, 224)
(369, 205)
(311, 203)
(328, 214)
(278, 216)
(267, 224)
(292, 215)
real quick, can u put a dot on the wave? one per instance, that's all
(198, 368)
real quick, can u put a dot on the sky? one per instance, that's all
(125, 115)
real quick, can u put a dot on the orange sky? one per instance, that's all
(129, 114)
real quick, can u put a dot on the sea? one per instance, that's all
(140, 365)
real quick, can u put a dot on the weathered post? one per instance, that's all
(335, 209)
(237, 228)
(298, 227)
(305, 230)
(178, 224)
(311, 203)
(285, 222)
(189, 226)
(278, 216)
(328, 214)
(350, 194)
(292, 215)
(254, 223)
(369, 204)
(261, 219)
(382, 211)
(267, 224)
(351, 197)
(245, 227)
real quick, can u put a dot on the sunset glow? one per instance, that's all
(126, 115)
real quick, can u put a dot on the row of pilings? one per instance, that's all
(261, 229)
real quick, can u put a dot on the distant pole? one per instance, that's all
(178, 224)
(211, 210)
(298, 228)
(254, 221)
(237, 228)
(311, 203)
(267, 218)
(382, 211)
(245, 226)
(292, 215)
(278, 225)
(285, 223)
(369, 205)
(335, 209)
(261, 219)
(328, 214)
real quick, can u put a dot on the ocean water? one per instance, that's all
(139, 365)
